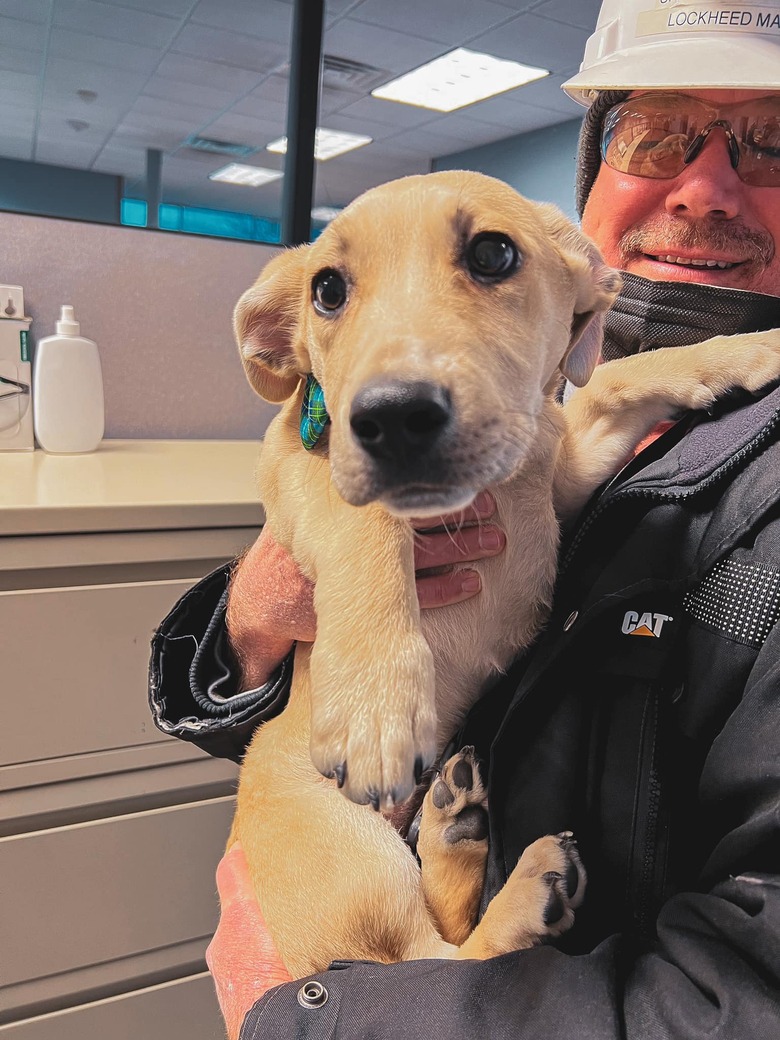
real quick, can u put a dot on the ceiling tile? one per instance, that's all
(583, 13)
(19, 61)
(453, 24)
(26, 10)
(207, 98)
(76, 46)
(18, 85)
(547, 94)
(386, 113)
(523, 122)
(269, 20)
(245, 130)
(16, 122)
(130, 162)
(110, 84)
(22, 36)
(56, 131)
(13, 146)
(114, 23)
(340, 121)
(273, 88)
(535, 41)
(230, 48)
(74, 155)
(433, 142)
(169, 111)
(383, 48)
(212, 74)
(174, 8)
(145, 135)
(255, 105)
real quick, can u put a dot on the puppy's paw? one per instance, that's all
(455, 807)
(453, 846)
(374, 731)
(553, 879)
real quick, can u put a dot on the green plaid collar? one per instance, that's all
(314, 414)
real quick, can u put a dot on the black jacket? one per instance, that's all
(647, 720)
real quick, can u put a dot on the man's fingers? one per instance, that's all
(463, 545)
(442, 590)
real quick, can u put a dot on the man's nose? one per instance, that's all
(709, 186)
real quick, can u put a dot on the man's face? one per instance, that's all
(705, 213)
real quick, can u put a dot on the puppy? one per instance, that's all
(438, 315)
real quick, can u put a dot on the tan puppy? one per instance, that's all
(438, 314)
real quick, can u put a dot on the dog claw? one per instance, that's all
(340, 774)
(373, 798)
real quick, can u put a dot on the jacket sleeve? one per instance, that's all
(713, 971)
(194, 690)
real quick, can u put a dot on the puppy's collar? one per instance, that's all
(314, 414)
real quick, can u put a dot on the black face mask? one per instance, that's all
(648, 315)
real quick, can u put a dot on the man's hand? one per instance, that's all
(241, 957)
(271, 604)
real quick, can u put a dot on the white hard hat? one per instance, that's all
(674, 44)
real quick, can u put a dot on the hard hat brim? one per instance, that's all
(728, 63)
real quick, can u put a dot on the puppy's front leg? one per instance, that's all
(625, 399)
(373, 721)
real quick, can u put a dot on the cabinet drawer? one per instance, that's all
(75, 664)
(103, 907)
(185, 1009)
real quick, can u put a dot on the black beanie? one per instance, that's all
(589, 149)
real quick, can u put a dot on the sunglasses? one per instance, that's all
(658, 135)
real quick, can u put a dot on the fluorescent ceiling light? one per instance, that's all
(251, 176)
(457, 79)
(327, 143)
(325, 213)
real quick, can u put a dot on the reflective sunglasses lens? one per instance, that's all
(759, 150)
(649, 137)
(648, 140)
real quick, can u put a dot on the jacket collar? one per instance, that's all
(649, 315)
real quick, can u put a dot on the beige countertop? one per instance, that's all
(130, 485)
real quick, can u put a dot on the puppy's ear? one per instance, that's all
(595, 287)
(265, 323)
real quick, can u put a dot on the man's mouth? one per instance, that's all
(688, 261)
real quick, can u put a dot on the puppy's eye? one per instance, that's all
(329, 292)
(491, 257)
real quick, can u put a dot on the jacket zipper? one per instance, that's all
(644, 912)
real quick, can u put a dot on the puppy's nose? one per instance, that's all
(393, 419)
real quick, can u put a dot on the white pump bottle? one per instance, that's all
(68, 409)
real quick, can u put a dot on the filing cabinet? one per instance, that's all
(110, 831)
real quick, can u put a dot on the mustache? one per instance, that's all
(674, 235)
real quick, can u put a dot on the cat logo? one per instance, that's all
(646, 624)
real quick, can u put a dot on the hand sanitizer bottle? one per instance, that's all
(68, 408)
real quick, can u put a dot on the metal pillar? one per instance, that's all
(153, 186)
(302, 104)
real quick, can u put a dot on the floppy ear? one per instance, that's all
(265, 322)
(595, 287)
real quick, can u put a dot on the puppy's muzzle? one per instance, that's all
(400, 424)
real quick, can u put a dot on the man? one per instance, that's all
(660, 752)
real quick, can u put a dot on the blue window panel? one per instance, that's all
(170, 217)
(133, 212)
(199, 221)
(267, 230)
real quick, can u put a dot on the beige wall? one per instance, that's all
(159, 306)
